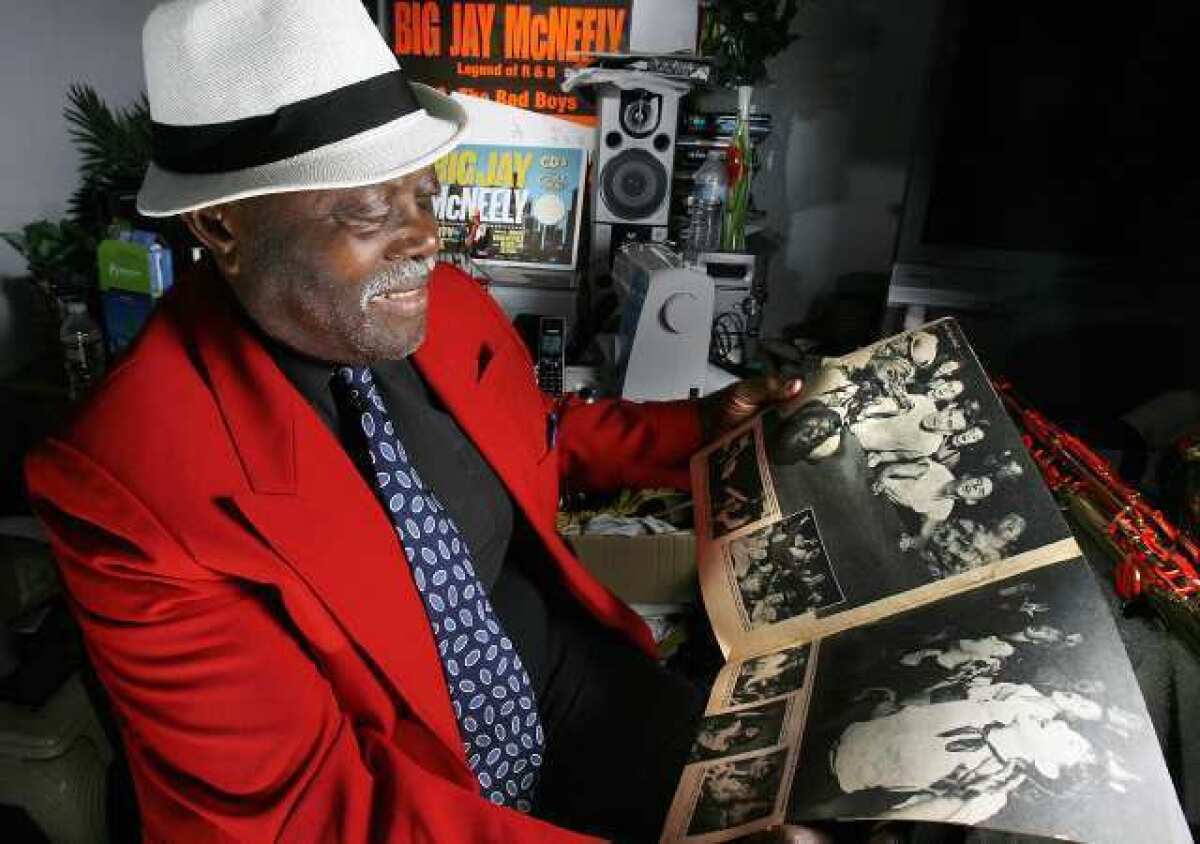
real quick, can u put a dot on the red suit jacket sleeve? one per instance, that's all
(610, 444)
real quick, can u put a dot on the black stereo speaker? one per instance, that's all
(634, 185)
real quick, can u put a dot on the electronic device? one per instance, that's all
(737, 311)
(547, 341)
(587, 381)
(733, 279)
(666, 322)
(1018, 188)
(1044, 227)
(635, 155)
(550, 360)
(517, 299)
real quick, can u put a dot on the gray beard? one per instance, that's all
(293, 313)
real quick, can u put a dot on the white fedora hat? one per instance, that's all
(249, 97)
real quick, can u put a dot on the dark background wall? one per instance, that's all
(845, 98)
(1109, 169)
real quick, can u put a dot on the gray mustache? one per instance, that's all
(400, 276)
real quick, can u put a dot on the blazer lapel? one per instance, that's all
(460, 361)
(486, 381)
(311, 504)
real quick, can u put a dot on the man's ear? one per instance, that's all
(216, 229)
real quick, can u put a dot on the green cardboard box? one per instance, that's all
(134, 266)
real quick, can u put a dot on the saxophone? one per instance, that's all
(1154, 562)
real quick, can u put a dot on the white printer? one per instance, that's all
(666, 323)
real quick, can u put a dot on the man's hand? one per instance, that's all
(725, 409)
(788, 834)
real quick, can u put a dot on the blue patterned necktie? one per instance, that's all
(489, 687)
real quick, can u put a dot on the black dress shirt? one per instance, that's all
(601, 700)
(450, 465)
(442, 454)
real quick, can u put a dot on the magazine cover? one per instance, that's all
(1010, 707)
(910, 629)
(511, 204)
(895, 477)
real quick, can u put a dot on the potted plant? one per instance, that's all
(740, 35)
(57, 253)
(114, 148)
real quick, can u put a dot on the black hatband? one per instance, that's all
(290, 130)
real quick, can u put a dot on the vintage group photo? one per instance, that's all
(915, 423)
(1002, 707)
(769, 676)
(733, 733)
(736, 793)
(740, 492)
(910, 630)
(782, 571)
(895, 469)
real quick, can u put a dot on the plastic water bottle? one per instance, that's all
(708, 198)
(83, 349)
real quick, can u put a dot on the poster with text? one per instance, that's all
(511, 53)
(511, 205)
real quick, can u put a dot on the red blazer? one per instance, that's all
(245, 599)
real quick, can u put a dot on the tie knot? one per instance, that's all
(353, 384)
(355, 376)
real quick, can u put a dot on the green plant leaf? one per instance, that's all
(741, 35)
(114, 149)
(14, 239)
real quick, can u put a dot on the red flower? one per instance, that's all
(733, 164)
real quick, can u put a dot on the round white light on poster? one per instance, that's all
(549, 209)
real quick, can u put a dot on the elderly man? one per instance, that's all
(308, 522)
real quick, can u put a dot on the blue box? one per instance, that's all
(135, 271)
(125, 313)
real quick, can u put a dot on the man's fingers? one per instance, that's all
(779, 389)
(757, 392)
(791, 834)
(789, 389)
(733, 405)
(788, 834)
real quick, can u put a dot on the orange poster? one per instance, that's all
(511, 53)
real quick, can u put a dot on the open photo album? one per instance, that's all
(910, 629)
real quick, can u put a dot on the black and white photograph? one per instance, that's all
(770, 676)
(738, 495)
(782, 571)
(733, 733)
(1012, 707)
(911, 466)
(736, 793)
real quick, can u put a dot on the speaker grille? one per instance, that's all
(634, 184)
